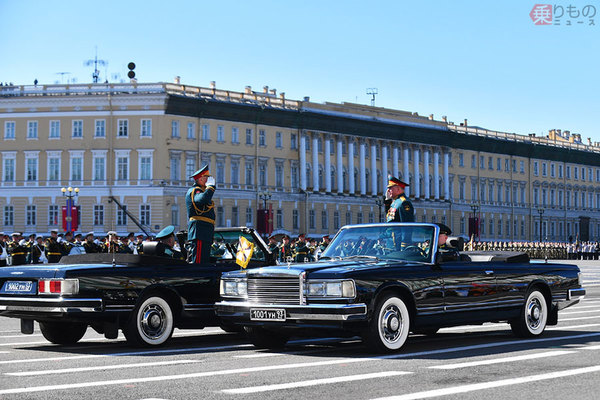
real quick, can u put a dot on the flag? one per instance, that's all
(244, 253)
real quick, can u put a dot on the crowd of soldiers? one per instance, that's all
(35, 249)
(543, 250)
(302, 249)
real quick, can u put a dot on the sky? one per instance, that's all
(480, 60)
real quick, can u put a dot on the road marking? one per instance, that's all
(593, 347)
(4, 352)
(314, 382)
(492, 384)
(579, 318)
(558, 328)
(132, 353)
(19, 336)
(100, 368)
(579, 312)
(503, 360)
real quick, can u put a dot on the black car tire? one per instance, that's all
(151, 322)
(266, 339)
(389, 327)
(63, 332)
(534, 316)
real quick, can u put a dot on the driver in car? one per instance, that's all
(448, 252)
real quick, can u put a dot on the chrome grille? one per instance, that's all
(274, 290)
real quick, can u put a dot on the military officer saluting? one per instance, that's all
(53, 248)
(397, 207)
(201, 214)
(17, 249)
(166, 241)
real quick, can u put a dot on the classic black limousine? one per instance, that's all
(146, 296)
(381, 281)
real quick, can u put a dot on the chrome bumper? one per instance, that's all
(314, 312)
(50, 305)
(574, 296)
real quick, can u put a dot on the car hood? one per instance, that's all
(330, 268)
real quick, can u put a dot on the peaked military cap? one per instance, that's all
(444, 229)
(166, 232)
(396, 182)
(53, 230)
(111, 233)
(201, 172)
(16, 234)
(89, 234)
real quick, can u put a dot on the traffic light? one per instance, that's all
(131, 73)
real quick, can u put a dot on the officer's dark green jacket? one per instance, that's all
(201, 213)
(399, 209)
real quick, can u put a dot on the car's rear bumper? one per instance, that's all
(54, 305)
(239, 311)
(574, 296)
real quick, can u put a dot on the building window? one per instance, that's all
(552, 170)
(100, 128)
(249, 175)
(53, 169)
(76, 168)
(32, 169)
(220, 217)
(311, 219)
(295, 220)
(514, 165)
(9, 216)
(536, 199)
(279, 176)
(262, 138)
(473, 160)
(348, 217)
(220, 134)
(560, 171)
(522, 167)
(175, 168)
(536, 171)
(575, 173)
(146, 168)
(506, 165)
(235, 135)
(123, 130)
(175, 215)
(359, 218)
(32, 130)
(98, 215)
(190, 166)
(279, 219)
(249, 213)
(175, 129)
(235, 220)
(262, 175)
(294, 176)
(372, 217)
(336, 220)
(77, 129)
(481, 162)
(544, 169)
(55, 129)
(278, 140)
(293, 141)
(235, 172)
(220, 178)
(490, 163)
(9, 130)
(31, 216)
(568, 171)
(582, 174)
(145, 214)
(99, 168)
(122, 168)
(249, 136)
(324, 220)
(122, 216)
(205, 132)
(191, 130)
(52, 215)
(461, 160)
(146, 128)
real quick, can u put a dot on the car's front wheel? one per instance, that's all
(266, 339)
(389, 327)
(63, 332)
(534, 316)
(151, 323)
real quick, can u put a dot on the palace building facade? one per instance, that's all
(317, 166)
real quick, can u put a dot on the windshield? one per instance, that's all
(411, 242)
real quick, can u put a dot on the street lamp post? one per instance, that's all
(70, 194)
(541, 212)
(379, 202)
(475, 210)
(265, 196)
(264, 225)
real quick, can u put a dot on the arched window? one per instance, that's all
(320, 176)
(368, 181)
(356, 183)
(379, 183)
(333, 176)
(345, 178)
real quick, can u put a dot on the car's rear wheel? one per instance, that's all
(534, 316)
(389, 327)
(63, 332)
(151, 323)
(266, 339)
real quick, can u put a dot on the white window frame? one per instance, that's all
(54, 134)
(74, 128)
(146, 128)
(191, 130)
(32, 155)
(99, 123)
(145, 153)
(32, 130)
(9, 134)
(123, 128)
(205, 132)
(73, 154)
(53, 155)
(144, 220)
(175, 131)
(9, 155)
(96, 155)
(123, 153)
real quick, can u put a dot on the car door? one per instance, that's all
(470, 291)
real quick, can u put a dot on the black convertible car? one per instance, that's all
(146, 296)
(382, 281)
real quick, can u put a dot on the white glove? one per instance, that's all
(210, 181)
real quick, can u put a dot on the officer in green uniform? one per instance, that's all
(448, 252)
(285, 250)
(201, 214)
(17, 250)
(37, 251)
(166, 241)
(89, 245)
(53, 248)
(273, 245)
(301, 250)
(397, 207)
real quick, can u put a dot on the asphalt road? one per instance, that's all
(467, 362)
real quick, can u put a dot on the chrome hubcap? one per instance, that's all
(391, 324)
(534, 314)
(153, 322)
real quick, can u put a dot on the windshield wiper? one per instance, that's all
(360, 256)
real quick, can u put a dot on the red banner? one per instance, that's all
(74, 219)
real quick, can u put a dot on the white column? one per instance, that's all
(302, 161)
(436, 174)
(340, 166)
(406, 170)
(351, 188)
(315, 162)
(361, 166)
(426, 173)
(394, 162)
(417, 190)
(446, 178)
(384, 167)
(327, 171)
(373, 169)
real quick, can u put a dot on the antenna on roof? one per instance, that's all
(62, 76)
(96, 62)
(372, 92)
